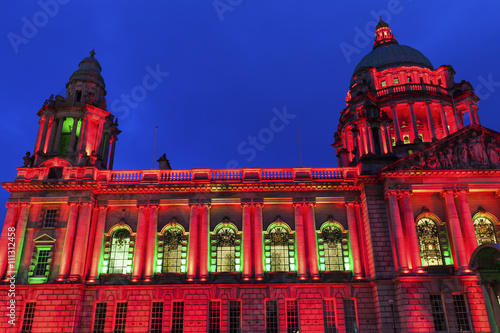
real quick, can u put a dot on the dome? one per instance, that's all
(89, 69)
(387, 53)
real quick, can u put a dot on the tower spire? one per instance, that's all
(383, 34)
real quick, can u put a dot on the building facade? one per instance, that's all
(381, 243)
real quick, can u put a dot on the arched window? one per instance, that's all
(485, 229)
(226, 248)
(279, 248)
(119, 260)
(333, 247)
(172, 250)
(428, 238)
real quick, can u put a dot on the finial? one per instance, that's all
(381, 23)
(92, 53)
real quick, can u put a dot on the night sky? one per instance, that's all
(225, 70)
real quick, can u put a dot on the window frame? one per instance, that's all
(183, 250)
(494, 223)
(94, 317)
(105, 269)
(291, 244)
(434, 314)
(277, 321)
(215, 248)
(356, 317)
(345, 252)
(41, 243)
(292, 319)
(442, 239)
(160, 321)
(27, 323)
(214, 316)
(326, 309)
(231, 329)
(180, 319)
(122, 320)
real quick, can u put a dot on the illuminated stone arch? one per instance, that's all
(225, 248)
(433, 240)
(172, 249)
(279, 247)
(485, 226)
(333, 247)
(119, 249)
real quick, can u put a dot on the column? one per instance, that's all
(112, 154)
(411, 232)
(430, 121)
(247, 242)
(151, 243)
(71, 148)
(21, 232)
(396, 125)
(82, 144)
(474, 118)
(257, 223)
(397, 231)
(382, 140)
(99, 237)
(354, 239)
(81, 239)
(468, 225)
(444, 121)
(370, 139)
(203, 237)
(413, 120)
(312, 254)
(39, 135)
(140, 244)
(41, 146)
(55, 147)
(69, 241)
(193, 242)
(456, 230)
(52, 135)
(8, 228)
(300, 246)
(106, 152)
(388, 138)
(90, 243)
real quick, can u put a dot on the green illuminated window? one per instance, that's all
(333, 247)
(172, 249)
(41, 259)
(279, 248)
(485, 230)
(66, 130)
(225, 248)
(396, 80)
(119, 262)
(383, 84)
(428, 237)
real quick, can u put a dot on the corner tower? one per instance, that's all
(397, 103)
(77, 129)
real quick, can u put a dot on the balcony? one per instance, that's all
(411, 87)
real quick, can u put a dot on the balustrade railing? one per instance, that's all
(411, 87)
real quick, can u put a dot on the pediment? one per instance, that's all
(44, 239)
(472, 147)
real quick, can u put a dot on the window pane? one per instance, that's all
(279, 251)
(100, 317)
(156, 317)
(50, 218)
(172, 251)
(177, 317)
(329, 316)
(428, 237)
(334, 260)
(29, 315)
(234, 319)
(485, 231)
(214, 317)
(272, 325)
(41, 263)
(292, 316)
(121, 317)
(118, 258)
(438, 313)
(350, 316)
(461, 312)
(225, 242)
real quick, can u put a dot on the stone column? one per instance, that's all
(53, 132)
(384, 149)
(397, 231)
(473, 115)
(82, 145)
(69, 241)
(194, 225)
(140, 243)
(99, 237)
(396, 124)
(300, 246)
(247, 241)
(55, 147)
(468, 225)
(112, 154)
(21, 232)
(9, 226)
(41, 146)
(72, 138)
(257, 224)
(456, 230)
(151, 243)
(411, 232)
(444, 121)
(388, 138)
(203, 237)
(81, 239)
(413, 123)
(430, 121)
(354, 239)
(39, 135)
(371, 145)
(312, 254)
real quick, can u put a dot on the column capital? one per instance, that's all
(12, 204)
(393, 192)
(496, 194)
(411, 103)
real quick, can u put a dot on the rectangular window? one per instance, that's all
(396, 80)
(50, 218)
(460, 304)
(120, 317)
(41, 263)
(408, 79)
(421, 80)
(437, 308)
(177, 317)
(329, 316)
(78, 96)
(351, 325)
(156, 317)
(383, 83)
(29, 315)
(292, 316)
(99, 317)
(214, 316)
(234, 316)
(272, 324)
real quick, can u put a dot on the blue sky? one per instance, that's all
(233, 66)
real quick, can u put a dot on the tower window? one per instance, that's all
(120, 317)
(272, 323)
(50, 220)
(408, 79)
(177, 317)
(421, 80)
(156, 317)
(99, 317)
(29, 315)
(78, 96)
(382, 83)
(396, 80)
(438, 314)
(440, 82)
(41, 259)
(214, 317)
(234, 316)
(292, 316)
